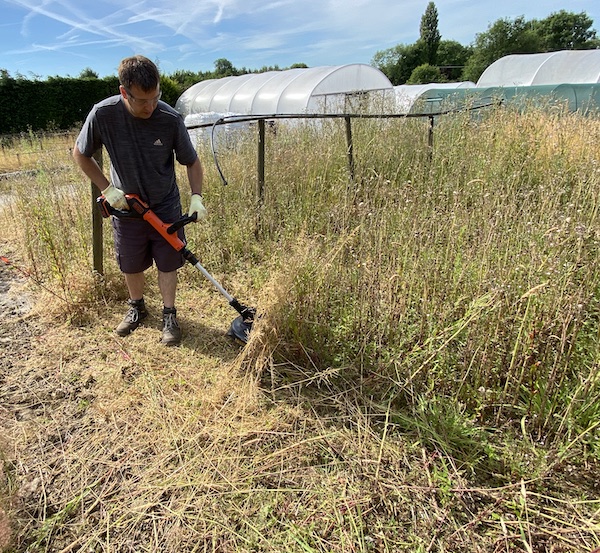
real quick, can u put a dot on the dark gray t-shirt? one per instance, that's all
(142, 151)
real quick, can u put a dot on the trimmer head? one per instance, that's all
(240, 329)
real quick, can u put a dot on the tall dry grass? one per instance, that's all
(470, 275)
(423, 375)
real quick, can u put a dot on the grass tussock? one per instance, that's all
(422, 375)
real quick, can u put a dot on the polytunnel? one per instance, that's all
(407, 94)
(325, 89)
(565, 66)
(584, 98)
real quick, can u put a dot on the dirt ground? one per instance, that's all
(14, 302)
(15, 336)
(15, 331)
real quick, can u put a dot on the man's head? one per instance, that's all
(139, 85)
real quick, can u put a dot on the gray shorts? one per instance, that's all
(137, 244)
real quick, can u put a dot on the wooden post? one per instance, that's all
(260, 181)
(97, 241)
(260, 177)
(349, 146)
(430, 137)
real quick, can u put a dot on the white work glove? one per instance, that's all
(196, 206)
(116, 198)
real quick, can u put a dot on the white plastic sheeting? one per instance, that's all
(566, 66)
(326, 89)
(200, 128)
(407, 94)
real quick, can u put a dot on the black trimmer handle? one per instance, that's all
(185, 219)
(107, 210)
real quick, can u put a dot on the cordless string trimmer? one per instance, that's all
(240, 328)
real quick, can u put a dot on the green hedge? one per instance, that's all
(58, 102)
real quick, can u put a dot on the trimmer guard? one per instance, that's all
(240, 329)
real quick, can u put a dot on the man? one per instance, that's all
(143, 136)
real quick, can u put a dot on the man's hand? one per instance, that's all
(116, 198)
(197, 207)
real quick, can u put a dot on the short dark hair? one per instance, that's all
(139, 71)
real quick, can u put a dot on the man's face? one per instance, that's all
(139, 103)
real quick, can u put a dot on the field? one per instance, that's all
(423, 375)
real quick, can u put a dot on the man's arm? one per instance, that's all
(114, 196)
(89, 166)
(195, 175)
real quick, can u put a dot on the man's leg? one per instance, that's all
(167, 283)
(137, 310)
(135, 285)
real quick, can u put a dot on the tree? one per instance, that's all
(502, 38)
(566, 31)
(263, 69)
(186, 78)
(171, 90)
(88, 73)
(424, 74)
(224, 68)
(430, 35)
(398, 63)
(452, 57)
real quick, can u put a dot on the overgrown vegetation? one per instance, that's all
(423, 375)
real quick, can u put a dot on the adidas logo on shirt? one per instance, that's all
(158, 142)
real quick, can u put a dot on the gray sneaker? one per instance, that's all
(136, 314)
(171, 334)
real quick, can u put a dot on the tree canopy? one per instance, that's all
(430, 34)
(566, 31)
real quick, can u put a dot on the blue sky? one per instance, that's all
(40, 38)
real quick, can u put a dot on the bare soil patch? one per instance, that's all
(15, 338)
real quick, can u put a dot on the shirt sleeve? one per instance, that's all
(89, 140)
(185, 152)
